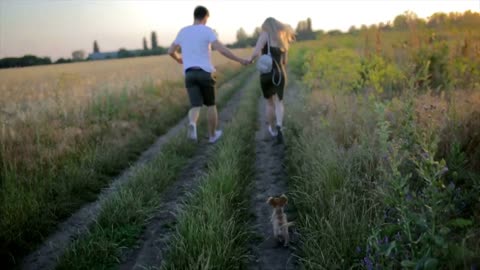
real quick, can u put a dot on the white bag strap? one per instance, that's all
(276, 64)
(268, 44)
(279, 74)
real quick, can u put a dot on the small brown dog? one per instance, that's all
(279, 219)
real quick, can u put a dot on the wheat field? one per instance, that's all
(66, 130)
(24, 92)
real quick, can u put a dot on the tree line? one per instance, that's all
(304, 31)
(80, 55)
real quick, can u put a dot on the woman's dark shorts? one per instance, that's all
(200, 86)
(268, 87)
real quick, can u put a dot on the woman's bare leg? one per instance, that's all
(279, 110)
(270, 111)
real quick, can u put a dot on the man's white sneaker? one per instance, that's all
(272, 132)
(192, 132)
(218, 134)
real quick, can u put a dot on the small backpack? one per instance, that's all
(265, 63)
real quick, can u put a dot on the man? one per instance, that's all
(196, 42)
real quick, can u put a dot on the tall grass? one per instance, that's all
(372, 188)
(376, 176)
(49, 170)
(332, 162)
(212, 230)
(124, 215)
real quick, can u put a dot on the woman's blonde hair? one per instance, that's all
(281, 33)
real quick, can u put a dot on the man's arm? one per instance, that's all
(173, 52)
(217, 45)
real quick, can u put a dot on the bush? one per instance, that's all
(381, 76)
(338, 69)
(434, 61)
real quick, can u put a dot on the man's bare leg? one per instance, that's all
(212, 117)
(193, 115)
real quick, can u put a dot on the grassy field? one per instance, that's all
(217, 245)
(54, 158)
(383, 155)
(26, 92)
(213, 230)
(385, 151)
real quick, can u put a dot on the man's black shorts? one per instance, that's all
(200, 86)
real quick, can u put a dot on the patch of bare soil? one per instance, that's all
(155, 241)
(271, 179)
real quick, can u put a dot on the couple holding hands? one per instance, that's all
(196, 41)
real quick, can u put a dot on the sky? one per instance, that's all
(55, 28)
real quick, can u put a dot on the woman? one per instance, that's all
(279, 36)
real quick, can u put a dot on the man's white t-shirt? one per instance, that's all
(195, 41)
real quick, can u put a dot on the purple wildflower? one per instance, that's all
(368, 263)
(443, 171)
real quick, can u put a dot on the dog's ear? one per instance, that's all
(283, 199)
(270, 200)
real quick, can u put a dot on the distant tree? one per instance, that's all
(159, 51)
(95, 47)
(400, 22)
(25, 61)
(241, 35)
(384, 26)
(46, 61)
(78, 55)
(301, 27)
(256, 33)
(154, 40)
(334, 32)
(243, 40)
(145, 47)
(407, 20)
(309, 25)
(123, 53)
(304, 30)
(62, 61)
(353, 30)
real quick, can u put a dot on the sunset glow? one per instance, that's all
(56, 28)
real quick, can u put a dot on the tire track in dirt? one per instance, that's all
(271, 179)
(154, 243)
(53, 247)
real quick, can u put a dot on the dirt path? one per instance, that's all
(270, 180)
(46, 256)
(155, 241)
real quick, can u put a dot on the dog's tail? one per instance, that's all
(288, 224)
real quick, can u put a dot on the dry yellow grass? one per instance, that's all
(24, 92)
(67, 130)
(55, 102)
(454, 118)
